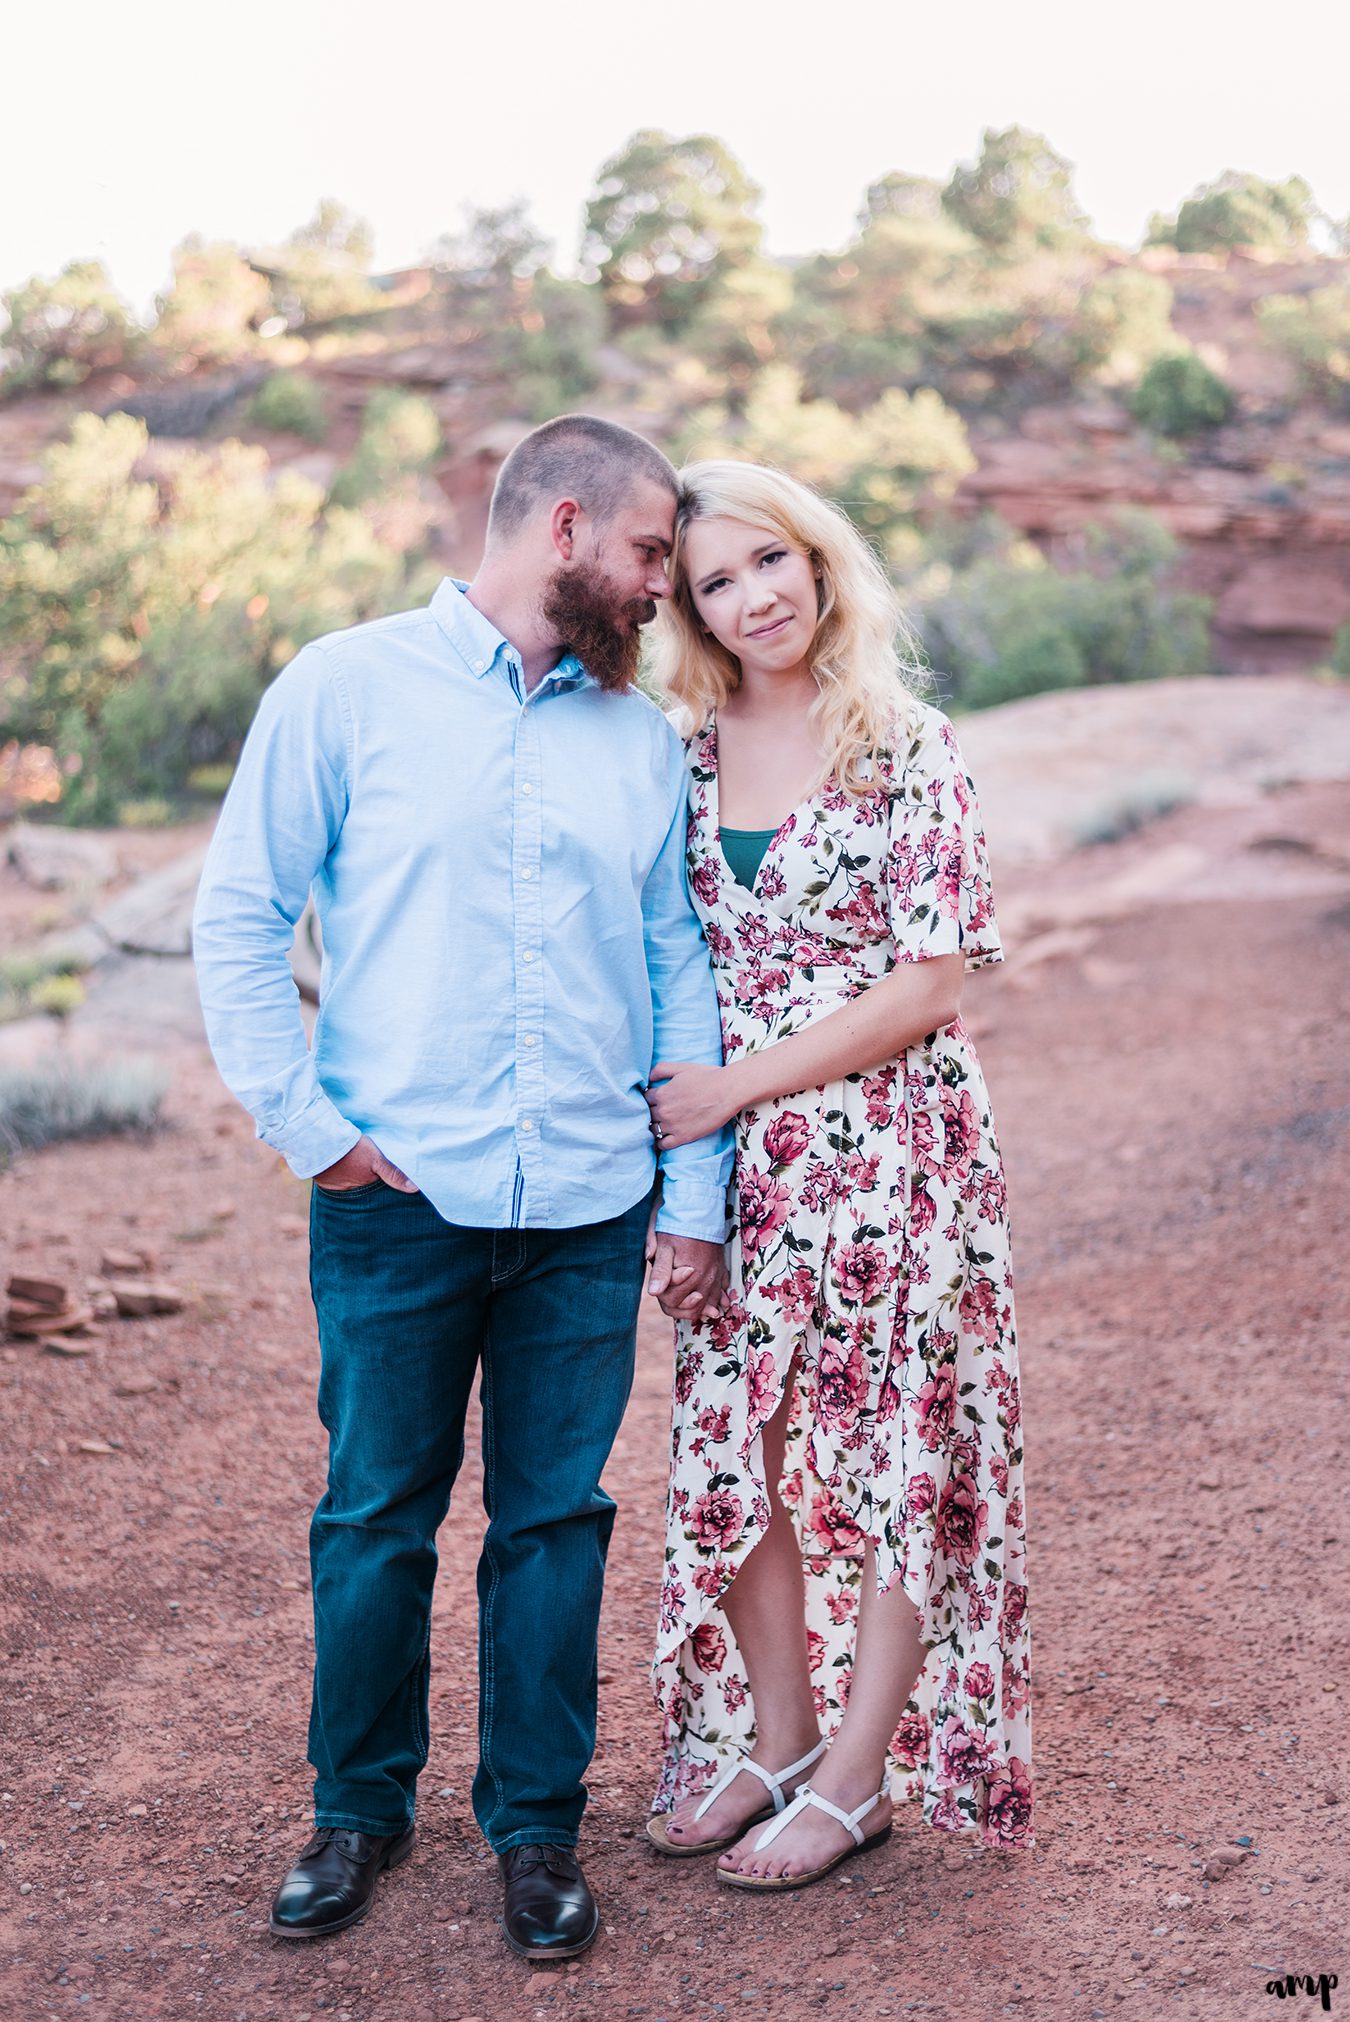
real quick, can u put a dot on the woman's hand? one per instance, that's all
(691, 1101)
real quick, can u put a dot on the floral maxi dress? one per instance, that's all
(869, 1255)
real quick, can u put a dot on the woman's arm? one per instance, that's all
(687, 1101)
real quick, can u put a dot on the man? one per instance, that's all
(492, 820)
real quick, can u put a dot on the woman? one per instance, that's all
(845, 1536)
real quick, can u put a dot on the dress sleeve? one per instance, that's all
(937, 867)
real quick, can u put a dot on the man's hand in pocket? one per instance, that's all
(358, 1167)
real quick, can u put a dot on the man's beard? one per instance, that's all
(581, 608)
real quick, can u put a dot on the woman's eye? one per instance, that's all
(778, 555)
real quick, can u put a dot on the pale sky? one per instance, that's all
(130, 123)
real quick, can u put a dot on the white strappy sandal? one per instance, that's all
(773, 1783)
(850, 1820)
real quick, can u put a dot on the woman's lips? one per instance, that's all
(767, 631)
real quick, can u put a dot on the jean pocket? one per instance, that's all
(363, 1192)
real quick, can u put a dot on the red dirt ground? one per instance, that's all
(1175, 1110)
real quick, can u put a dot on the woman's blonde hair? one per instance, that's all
(864, 653)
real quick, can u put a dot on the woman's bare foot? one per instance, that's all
(744, 1798)
(812, 1839)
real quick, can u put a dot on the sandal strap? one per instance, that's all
(805, 1797)
(773, 1781)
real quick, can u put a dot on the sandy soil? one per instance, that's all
(1173, 1088)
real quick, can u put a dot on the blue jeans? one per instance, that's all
(408, 1306)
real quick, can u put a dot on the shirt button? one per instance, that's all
(526, 787)
(526, 1123)
(528, 955)
(530, 1039)
(527, 872)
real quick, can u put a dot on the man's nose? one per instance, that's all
(658, 584)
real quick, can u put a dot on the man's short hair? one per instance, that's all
(577, 456)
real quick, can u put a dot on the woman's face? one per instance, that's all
(755, 592)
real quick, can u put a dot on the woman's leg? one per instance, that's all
(886, 1662)
(766, 1607)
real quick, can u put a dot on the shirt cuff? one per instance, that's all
(689, 1208)
(314, 1140)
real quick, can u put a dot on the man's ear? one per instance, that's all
(564, 527)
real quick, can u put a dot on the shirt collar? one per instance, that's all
(476, 639)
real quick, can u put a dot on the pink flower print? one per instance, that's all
(717, 1517)
(762, 1377)
(841, 1605)
(734, 1693)
(763, 1204)
(708, 1647)
(841, 1383)
(962, 1520)
(962, 1755)
(910, 1745)
(795, 1293)
(879, 1092)
(815, 1649)
(712, 1577)
(979, 1308)
(1007, 1820)
(715, 1423)
(705, 883)
(923, 1210)
(998, 1472)
(920, 1494)
(832, 1528)
(1013, 1613)
(979, 1681)
(787, 1137)
(961, 1128)
(861, 1271)
(933, 1407)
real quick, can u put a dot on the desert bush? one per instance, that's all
(209, 314)
(138, 627)
(1122, 322)
(1133, 806)
(400, 434)
(1239, 210)
(319, 275)
(1017, 194)
(1008, 624)
(52, 1100)
(1179, 395)
(39, 982)
(292, 404)
(1314, 331)
(57, 332)
(878, 464)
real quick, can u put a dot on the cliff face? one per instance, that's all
(1261, 505)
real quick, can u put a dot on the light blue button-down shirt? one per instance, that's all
(508, 939)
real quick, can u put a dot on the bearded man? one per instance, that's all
(492, 819)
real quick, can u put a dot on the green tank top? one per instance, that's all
(744, 850)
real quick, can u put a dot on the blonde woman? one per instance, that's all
(843, 1619)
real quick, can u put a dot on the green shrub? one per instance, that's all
(1314, 332)
(1240, 210)
(140, 628)
(1179, 395)
(60, 331)
(52, 1100)
(400, 434)
(1340, 653)
(1134, 806)
(38, 982)
(1123, 321)
(210, 312)
(1006, 624)
(291, 404)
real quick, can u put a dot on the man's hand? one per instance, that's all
(358, 1167)
(688, 1278)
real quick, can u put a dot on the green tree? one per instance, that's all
(210, 313)
(57, 332)
(1017, 195)
(320, 274)
(668, 220)
(400, 435)
(1179, 395)
(881, 465)
(138, 626)
(901, 196)
(1122, 323)
(1240, 210)
(292, 404)
(1314, 331)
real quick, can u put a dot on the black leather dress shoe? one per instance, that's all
(333, 1882)
(549, 1913)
